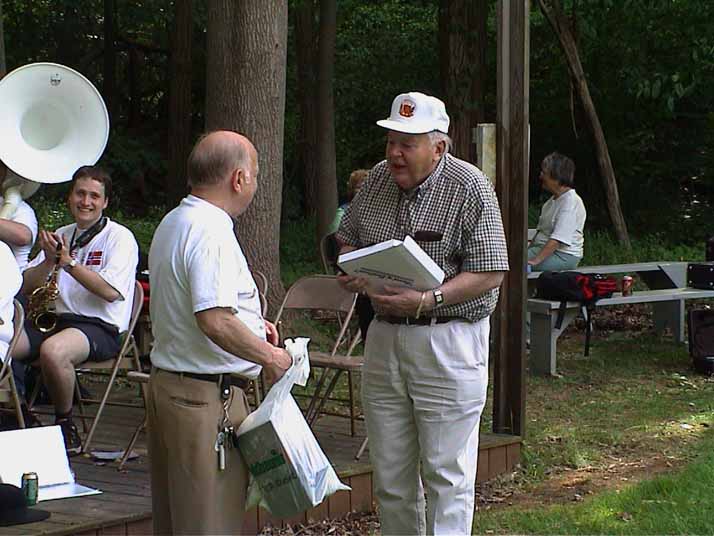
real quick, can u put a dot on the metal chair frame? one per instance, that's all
(323, 293)
(10, 394)
(126, 359)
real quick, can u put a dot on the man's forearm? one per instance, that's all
(467, 286)
(232, 335)
(14, 234)
(464, 287)
(36, 276)
(95, 283)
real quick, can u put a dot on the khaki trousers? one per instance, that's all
(189, 494)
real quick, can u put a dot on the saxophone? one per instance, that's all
(41, 304)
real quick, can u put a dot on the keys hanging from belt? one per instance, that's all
(220, 448)
(225, 438)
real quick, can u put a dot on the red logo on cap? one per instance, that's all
(407, 108)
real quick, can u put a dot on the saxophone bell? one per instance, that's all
(45, 321)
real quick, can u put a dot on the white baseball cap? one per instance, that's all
(416, 113)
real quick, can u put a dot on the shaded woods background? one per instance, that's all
(650, 66)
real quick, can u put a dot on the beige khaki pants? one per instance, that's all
(189, 494)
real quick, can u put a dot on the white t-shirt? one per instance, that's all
(195, 264)
(563, 219)
(26, 216)
(11, 283)
(113, 254)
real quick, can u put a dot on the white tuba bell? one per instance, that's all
(52, 121)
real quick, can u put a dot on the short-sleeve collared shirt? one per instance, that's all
(456, 203)
(196, 264)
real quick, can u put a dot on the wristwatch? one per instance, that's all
(71, 264)
(438, 297)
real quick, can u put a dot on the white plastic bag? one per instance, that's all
(289, 472)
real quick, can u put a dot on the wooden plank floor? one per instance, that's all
(124, 507)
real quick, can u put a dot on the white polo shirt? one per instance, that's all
(113, 254)
(11, 283)
(195, 264)
(26, 216)
(563, 219)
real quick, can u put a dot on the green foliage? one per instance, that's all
(299, 252)
(132, 160)
(601, 248)
(650, 67)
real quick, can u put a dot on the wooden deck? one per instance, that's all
(124, 507)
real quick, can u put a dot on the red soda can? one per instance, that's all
(627, 282)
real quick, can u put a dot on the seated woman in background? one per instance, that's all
(558, 242)
(354, 183)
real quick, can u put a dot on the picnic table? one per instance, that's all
(667, 293)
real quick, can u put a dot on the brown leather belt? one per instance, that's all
(218, 379)
(421, 321)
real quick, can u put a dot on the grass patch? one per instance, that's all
(631, 408)
(680, 503)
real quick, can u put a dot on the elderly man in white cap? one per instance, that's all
(426, 357)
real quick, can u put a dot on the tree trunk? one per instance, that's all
(180, 63)
(3, 64)
(69, 26)
(463, 57)
(478, 18)
(327, 169)
(306, 54)
(444, 45)
(246, 51)
(110, 57)
(559, 22)
(136, 59)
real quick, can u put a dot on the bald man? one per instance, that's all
(210, 340)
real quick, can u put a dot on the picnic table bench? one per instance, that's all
(667, 294)
(668, 305)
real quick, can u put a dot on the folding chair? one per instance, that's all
(328, 253)
(323, 293)
(8, 389)
(261, 281)
(141, 378)
(127, 359)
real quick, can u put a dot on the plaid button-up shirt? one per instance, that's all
(456, 202)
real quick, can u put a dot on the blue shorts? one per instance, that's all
(103, 338)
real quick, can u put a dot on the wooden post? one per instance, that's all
(512, 188)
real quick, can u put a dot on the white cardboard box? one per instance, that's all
(394, 262)
(39, 450)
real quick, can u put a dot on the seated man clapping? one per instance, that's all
(94, 261)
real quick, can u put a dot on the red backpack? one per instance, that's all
(575, 286)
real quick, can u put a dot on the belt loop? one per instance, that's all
(225, 383)
(433, 321)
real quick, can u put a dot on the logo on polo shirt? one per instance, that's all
(407, 108)
(94, 258)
